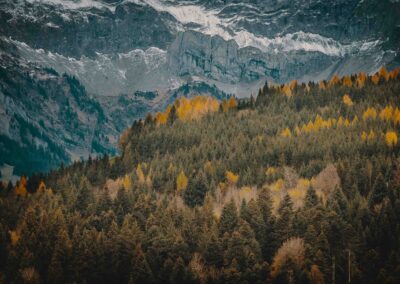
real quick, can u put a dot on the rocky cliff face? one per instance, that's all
(77, 28)
(128, 57)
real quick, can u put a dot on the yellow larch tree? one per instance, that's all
(361, 79)
(42, 187)
(364, 136)
(334, 81)
(371, 135)
(391, 138)
(140, 174)
(286, 132)
(161, 118)
(322, 85)
(293, 85)
(287, 91)
(14, 237)
(369, 114)
(232, 103)
(394, 73)
(354, 121)
(231, 178)
(340, 121)
(181, 182)
(386, 114)
(20, 190)
(347, 81)
(383, 73)
(127, 182)
(375, 79)
(396, 117)
(347, 100)
(270, 171)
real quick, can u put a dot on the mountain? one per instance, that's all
(119, 50)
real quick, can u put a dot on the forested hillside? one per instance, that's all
(299, 184)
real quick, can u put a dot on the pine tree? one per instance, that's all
(229, 218)
(196, 190)
(311, 198)
(141, 272)
(283, 227)
(269, 242)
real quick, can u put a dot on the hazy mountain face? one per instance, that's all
(130, 57)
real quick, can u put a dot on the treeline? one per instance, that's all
(300, 184)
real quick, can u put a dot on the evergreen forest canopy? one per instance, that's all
(300, 184)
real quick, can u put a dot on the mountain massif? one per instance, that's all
(103, 64)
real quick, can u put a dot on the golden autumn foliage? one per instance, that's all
(293, 84)
(347, 81)
(315, 275)
(127, 182)
(270, 171)
(42, 187)
(20, 190)
(231, 178)
(368, 136)
(383, 73)
(232, 103)
(386, 114)
(195, 108)
(334, 81)
(140, 174)
(370, 113)
(394, 73)
(318, 124)
(371, 135)
(228, 105)
(375, 79)
(347, 100)
(162, 117)
(286, 132)
(291, 251)
(354, 121)
(321, 85)
(181, 182)
(287, 91)
(391, 138)
(278, 185)
(361, 79)
(396, 117)
(340, 121)
(364, 136)
(14, 237)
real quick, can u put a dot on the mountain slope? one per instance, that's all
(264, 190)
(118, 49)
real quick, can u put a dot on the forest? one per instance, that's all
(297, 184)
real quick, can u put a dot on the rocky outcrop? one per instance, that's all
(77, 32)
(195, 54)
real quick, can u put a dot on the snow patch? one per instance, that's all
(75, 4)
(52, 25)
(209, 22)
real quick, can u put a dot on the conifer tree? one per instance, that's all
(229, 218)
